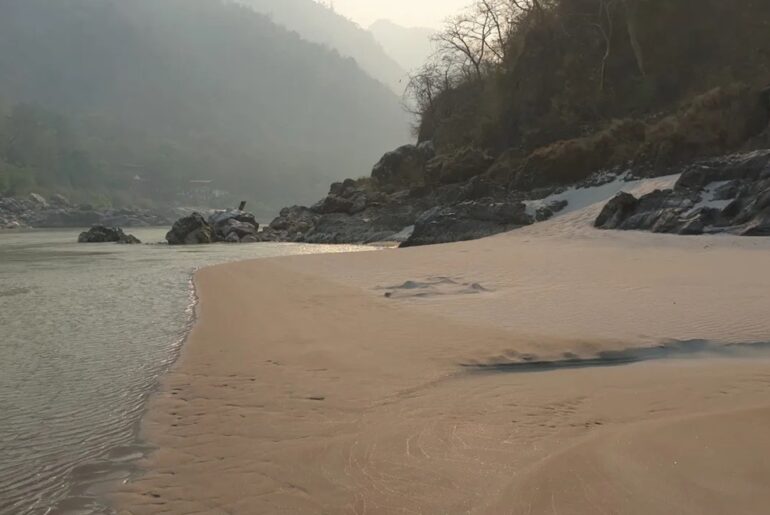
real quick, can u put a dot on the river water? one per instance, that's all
(85, 333)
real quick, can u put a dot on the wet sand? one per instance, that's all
(396, 381)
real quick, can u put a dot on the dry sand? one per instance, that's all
(305, 389)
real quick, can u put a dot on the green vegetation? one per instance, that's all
(38, 150)
(136, 99)
(561, 88)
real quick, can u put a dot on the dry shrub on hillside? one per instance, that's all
(719, 121)
(572, 160)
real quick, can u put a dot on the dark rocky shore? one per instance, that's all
(455, 203)
(726, 194)
(58, 212)
(730, 194)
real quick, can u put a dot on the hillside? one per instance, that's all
(319, 24)
(525, 100)
(410, 46)
(156, 93)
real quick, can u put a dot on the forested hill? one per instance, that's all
(155, 93)
(320, 24)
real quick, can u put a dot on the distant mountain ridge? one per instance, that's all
(318, 23)
(168, 91)
(409, 46)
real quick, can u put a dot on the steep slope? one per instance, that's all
(320, 24)
(174, 90)
(410, 46)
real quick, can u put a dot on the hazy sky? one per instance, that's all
(424, 13)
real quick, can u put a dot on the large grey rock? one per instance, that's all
(729, 194)
(616, 211)
(403, 167)
(232, 225)
(467, 221)
(292, 223)
(191, 230)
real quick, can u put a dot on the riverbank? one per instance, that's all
(85, 333)
(394, 381)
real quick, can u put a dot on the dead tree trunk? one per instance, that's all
(632, 19)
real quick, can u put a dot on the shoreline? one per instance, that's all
(305, 388)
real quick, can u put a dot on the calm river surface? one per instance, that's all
(85, 332)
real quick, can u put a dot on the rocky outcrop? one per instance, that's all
(419, 201)
(724, 195)
(380, 218)
(191, 230)
(228, 226)
(403, 167)
(457, 167)
(418, 216)
(59, 212)
(467, 221)
(233, 226)
(458, 203)
(102, 234)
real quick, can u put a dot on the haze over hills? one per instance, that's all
(409, 46)
(320, 24)
(147, 95)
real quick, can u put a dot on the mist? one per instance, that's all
(126, 103)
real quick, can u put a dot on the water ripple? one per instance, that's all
(85, 332)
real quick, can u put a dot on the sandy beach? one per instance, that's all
(556, 369)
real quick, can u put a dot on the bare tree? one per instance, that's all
(465, 40)
(632, 13)
(606, 27)
(471, 43)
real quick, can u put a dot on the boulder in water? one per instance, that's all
(102, 234)
(235, 222)
(190, 230)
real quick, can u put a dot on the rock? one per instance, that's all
(130, 239)
(729, 194)
(232, 238)
(241, 229)
(738, 167)
(58, 200)
(293, 221)
(225, 223)
(38, 200)
(549, 210)
(333, 204)
(12, 225)
(191, 230)
(403, 167)
(102, 234)
(617, 210)
(760, 226)
(360, 203)
(343, 189)
(458, 167)
(467, 221)
(478, 188)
